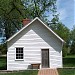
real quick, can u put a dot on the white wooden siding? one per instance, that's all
(34, 38)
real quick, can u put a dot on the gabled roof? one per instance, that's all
(31, 23)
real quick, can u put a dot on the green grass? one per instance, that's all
(66, 71)
(70, 56)
(2, 63)
(69, 61)
(27, 72)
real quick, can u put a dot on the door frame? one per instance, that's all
(48, 56)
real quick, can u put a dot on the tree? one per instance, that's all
(60, 28)
(12, 12)
(62, 31)
(38, 8)
(73, 41)
(3, 48)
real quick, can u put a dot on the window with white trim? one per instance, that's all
(19, 53)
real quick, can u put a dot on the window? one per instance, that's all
(19, 53)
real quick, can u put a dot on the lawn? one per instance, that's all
(63, 71)
(68, 71)
(2, 63)
(70, 56)
(27, 72)
(3, 67)
(69, 61)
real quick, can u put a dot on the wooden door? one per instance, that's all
(45, 58)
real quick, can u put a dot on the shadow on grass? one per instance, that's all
(69, 62)
(3, 63)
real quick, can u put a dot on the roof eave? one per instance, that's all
(31, 23)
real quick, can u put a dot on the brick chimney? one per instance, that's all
(26, 21)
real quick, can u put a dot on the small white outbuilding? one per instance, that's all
(34, 46)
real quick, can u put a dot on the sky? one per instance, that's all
(66, 11)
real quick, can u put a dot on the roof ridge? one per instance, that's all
(31, 23)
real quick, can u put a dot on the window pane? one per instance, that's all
(16, 48)
(16, 51)
(21, 57)
(19, 53)
(16, 57)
